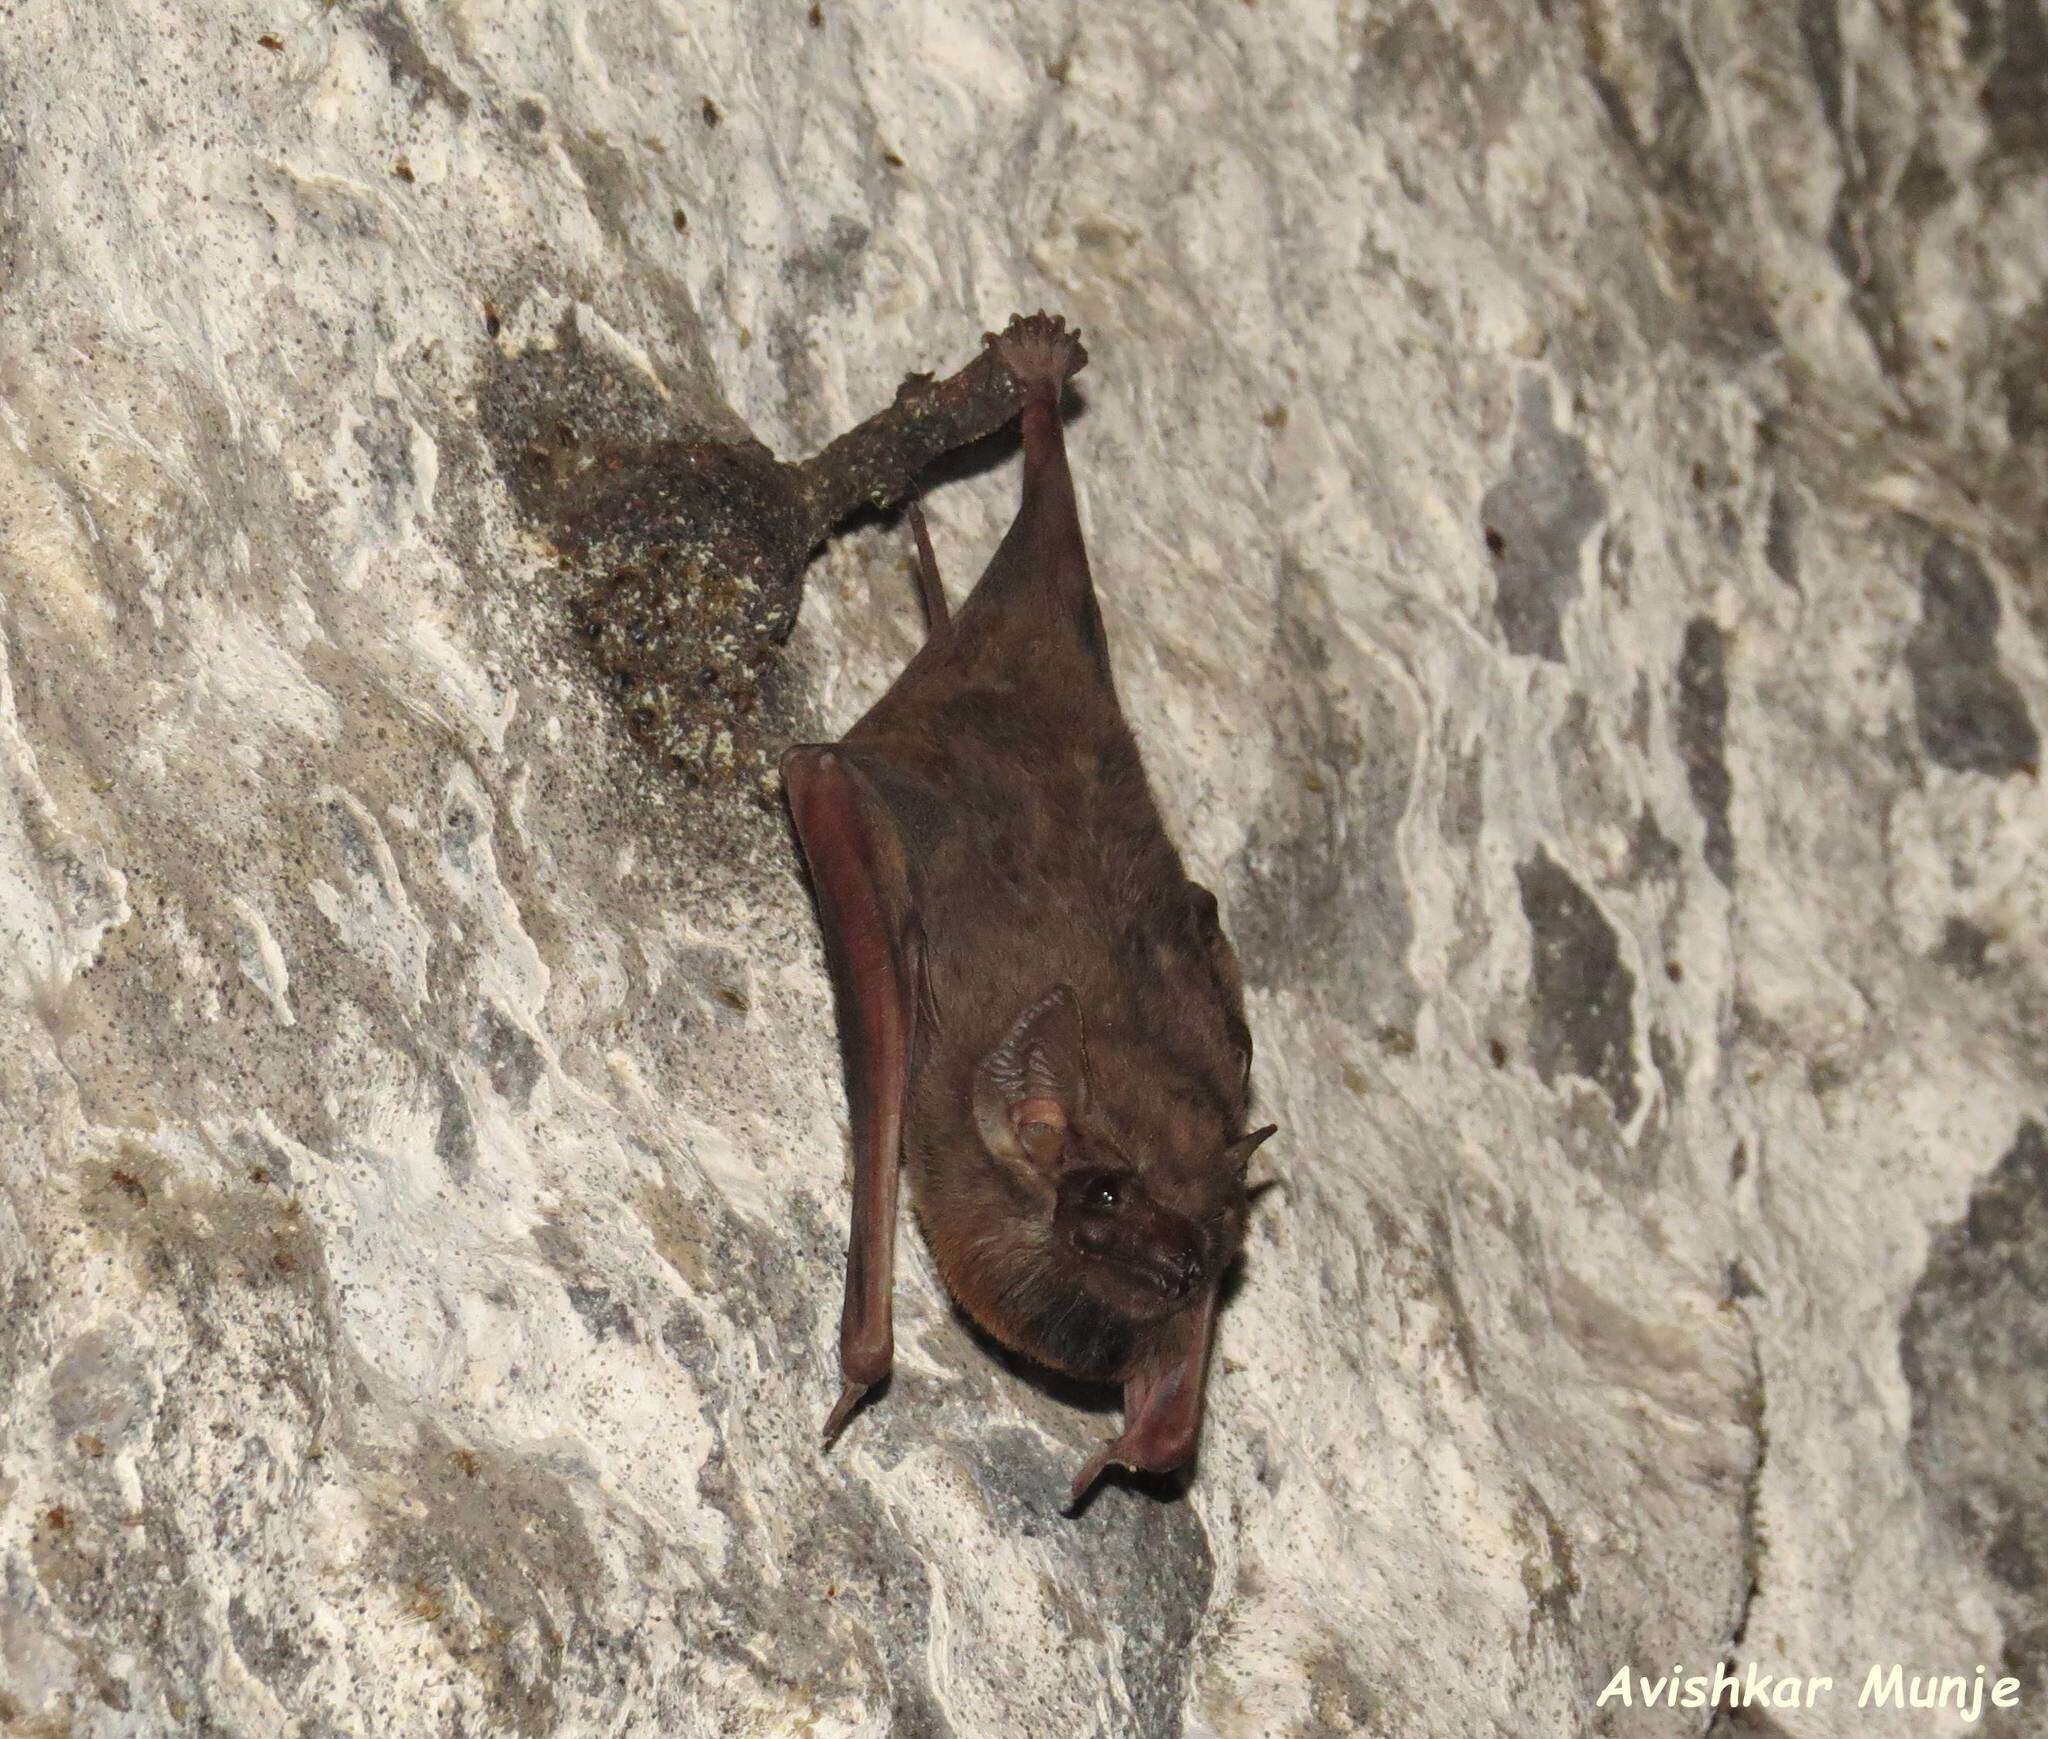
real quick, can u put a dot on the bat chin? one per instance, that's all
(1054, 1319)
(1137, 1295)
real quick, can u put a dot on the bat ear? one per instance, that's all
(1029, 1090)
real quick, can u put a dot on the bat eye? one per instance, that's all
(1095, 1201)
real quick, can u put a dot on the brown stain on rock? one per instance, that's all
(682, 540)
(489, 1552)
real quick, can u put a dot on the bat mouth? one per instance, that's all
(1170, 1272)
(1140, 1293)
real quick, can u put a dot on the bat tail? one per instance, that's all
(1040, 351)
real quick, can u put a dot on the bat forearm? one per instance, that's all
(864, 901)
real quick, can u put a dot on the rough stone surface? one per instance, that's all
(1976, 1355)
(1567, 500)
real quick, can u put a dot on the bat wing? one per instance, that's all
(875, 950)
(1162, 1404)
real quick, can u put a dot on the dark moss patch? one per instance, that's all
(1971, 717)
(1536, 520)
(680, 552)
(1974, 1348)
(1702, 725)
(1583, 1018)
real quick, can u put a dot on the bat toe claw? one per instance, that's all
(1040, 351)
(848, 1404)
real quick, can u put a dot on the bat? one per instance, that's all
(1041, 1016)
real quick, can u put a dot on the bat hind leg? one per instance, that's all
(1040, 351)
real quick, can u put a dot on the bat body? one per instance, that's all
(1041, 1017)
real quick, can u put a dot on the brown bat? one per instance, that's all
(1039, 1009)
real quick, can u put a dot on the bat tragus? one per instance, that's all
(1039, 1010)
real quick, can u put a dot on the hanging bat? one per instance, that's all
(1039, 1010)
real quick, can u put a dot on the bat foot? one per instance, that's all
(848, 1404)
(1040, 351)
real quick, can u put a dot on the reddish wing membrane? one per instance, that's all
(1162, 1404)
(871, 943)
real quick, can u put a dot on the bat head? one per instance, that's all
(1129, 1250)
(1142, 1200)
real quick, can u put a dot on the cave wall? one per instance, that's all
(1565, 485)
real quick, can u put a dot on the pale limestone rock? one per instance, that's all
(421, 1201)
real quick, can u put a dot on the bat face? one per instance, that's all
(1039, 1009)
(1128, 1252)
(1074, 1233)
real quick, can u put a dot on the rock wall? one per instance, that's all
(1566, 484)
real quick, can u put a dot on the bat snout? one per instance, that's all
(1177, 1272)
(1174, 1268)
(1152, 1248)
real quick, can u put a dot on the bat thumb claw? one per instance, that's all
(848, 1404)
(1084, 1482)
